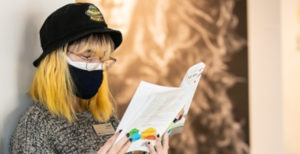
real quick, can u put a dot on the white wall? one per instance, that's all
(265, 76)
(291, 75)
(274, 76)
(19, 29)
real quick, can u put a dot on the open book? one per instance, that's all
(156, 109)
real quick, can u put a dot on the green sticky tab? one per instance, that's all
(133, 131)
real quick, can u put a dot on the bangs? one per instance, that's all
(98, 45)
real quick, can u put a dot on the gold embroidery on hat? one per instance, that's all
(94, 13)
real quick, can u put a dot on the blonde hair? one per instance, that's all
(53, 86)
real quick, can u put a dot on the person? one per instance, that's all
(73, 111)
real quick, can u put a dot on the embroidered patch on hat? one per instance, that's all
(94, 13)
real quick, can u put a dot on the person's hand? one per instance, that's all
(161, 147)
(120, 147)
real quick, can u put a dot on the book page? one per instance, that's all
(154, 107)
(190, 81)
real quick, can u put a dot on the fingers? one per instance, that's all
(125, 147)
(109, 143)
(151, 148)
(158, 145)
(166, 142)
(116, 147)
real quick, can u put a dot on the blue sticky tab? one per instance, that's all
(169, 132)
(135, 137)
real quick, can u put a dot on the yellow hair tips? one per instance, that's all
(51, 85)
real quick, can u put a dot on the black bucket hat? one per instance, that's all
(70, 23)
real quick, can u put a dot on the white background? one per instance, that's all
(274, 73)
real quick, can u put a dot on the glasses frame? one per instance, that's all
(107, 63)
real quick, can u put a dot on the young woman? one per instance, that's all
(73, 112)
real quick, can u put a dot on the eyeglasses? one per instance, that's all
(91, 63)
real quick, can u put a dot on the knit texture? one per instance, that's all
(40, 132)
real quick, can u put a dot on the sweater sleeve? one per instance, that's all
(32, 135)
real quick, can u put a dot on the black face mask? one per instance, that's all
(86, 82)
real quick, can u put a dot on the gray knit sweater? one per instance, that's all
(40, 132)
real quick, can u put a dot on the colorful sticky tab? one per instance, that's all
(169, 131)
(134, 134)
(149, 134)
(133, 131)
(135, 137)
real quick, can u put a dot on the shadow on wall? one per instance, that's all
(28, 51)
